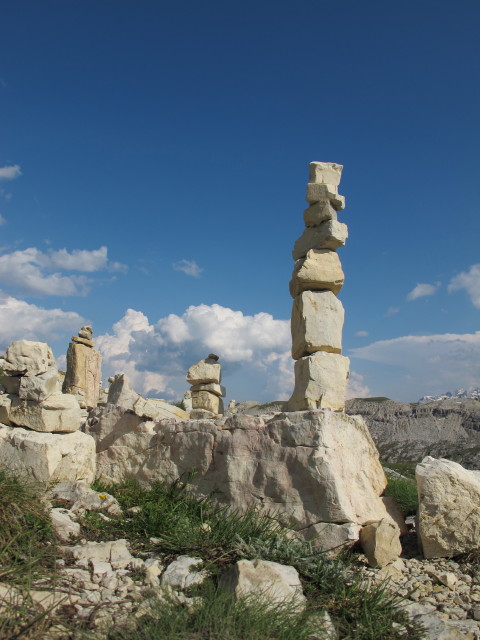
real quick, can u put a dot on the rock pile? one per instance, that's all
(39, 425)
(205, 377)
(83, 378)
(321, 372)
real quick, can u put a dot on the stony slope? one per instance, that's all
(409, 431)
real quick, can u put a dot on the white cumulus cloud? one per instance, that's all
(422, 290)
(189, 267)
(10, 172)
(20, 320)
(356, 386)
(420, 365)
(362, 334)
(157, 356)
(470, 281)
(34, 272)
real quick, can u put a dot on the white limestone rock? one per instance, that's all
(316, 324)
(319, 270)
(325, 172)
(207, 401)
(64, 524)
(5, 404)
(448, 514)
(83, 376)
(59, 413)
(311, 467)
(318, 213)
(182, 573)
(269, 581)
(329, 235)
(319, 192)
(121, 393)
(320, 382)
(114, 552)
(27, 358)
(381, 542)
(211, 387)
(205, 371)
(80, 498)
(48, 457)
(331, 536)
(40, 387)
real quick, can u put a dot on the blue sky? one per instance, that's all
(153, 163)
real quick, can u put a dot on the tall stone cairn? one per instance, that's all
(83, 376)
(321, 372)
(206, 391)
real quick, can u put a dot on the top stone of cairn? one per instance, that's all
(325, 173)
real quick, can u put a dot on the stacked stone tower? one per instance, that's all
(206, 392)
(321, 372)
(83, 376)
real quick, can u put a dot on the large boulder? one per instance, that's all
(48, 457)
(40, 387)
(448, 514)
(27, 358)
(59, 413)
(311, 467)
(316, 324)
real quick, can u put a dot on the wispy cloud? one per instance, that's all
(423, 290)
(362, 334)
(34, 272)
(391, 311)
(189, 267)
(2, 220)
(10, 172)
(470, 281)
(356, 386)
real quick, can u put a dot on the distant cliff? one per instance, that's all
(407, 432)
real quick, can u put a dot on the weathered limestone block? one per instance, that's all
(11, 384)
(331, 536)
(205, 371)
(320, 382)
(381, 542)
(115, 552)
(325, 172)
(84, 341)
(314, 466)
(120, 392)
(448, 513)
(317, 322)
(58, 413)
(181, 573)
(41, 387)
(5, 404)
(318, 213)
(155, 409)
(212, 387)
(269, 581)
(208, 401)
(318, 271)
(27, 358)
(48, 457)
(83, 376)
(319, 192)
(329, 235)
(395, 512)
(63, 524)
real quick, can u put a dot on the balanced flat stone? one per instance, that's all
(59, 413)
(325, 172)
(212, 387)
(318, 192)
(208, 401)
(205, 371)
(329, 235)
(317, 322)
(321, 269)
(318, 213)
(320, 382)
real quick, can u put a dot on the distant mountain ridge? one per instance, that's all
(458, 393)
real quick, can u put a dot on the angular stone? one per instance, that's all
(320, 270)
(11, 384)
(5, 404)
(58, 413)
(307, 467)
(208, 401)
(156, 409)
(262, 579)
(329, 235)
(114, 552)
(83, 376)
(381, 542)
(84, 341)
(27, 358)
(320, 382)
(48, 457)
(448, 514)
(325, 172)
(204, 371)
(212, 387)
(318, 213)
(41, 387)
(182, 573)
(317, 322)
(65, 527)
(81, 498)
(120, 392)
(395, 512)
(319, 192)
(332, 537)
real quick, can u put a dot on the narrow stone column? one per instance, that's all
(83, 376)
(321, 372)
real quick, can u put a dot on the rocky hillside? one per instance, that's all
(409, 431)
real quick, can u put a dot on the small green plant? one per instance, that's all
(404, 490)
(180, 404)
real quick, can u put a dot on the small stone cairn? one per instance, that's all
(205, 377)
(321, 372)
(83, 376)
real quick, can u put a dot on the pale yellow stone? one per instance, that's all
(83, 376)
(381, 542)
(208, 401)
(325, 172)
(318, 192)
(321, 269)
(59, 413)
(318, 213)
(204, 371)
(329, 235)
(217, 389)
(316, 324)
